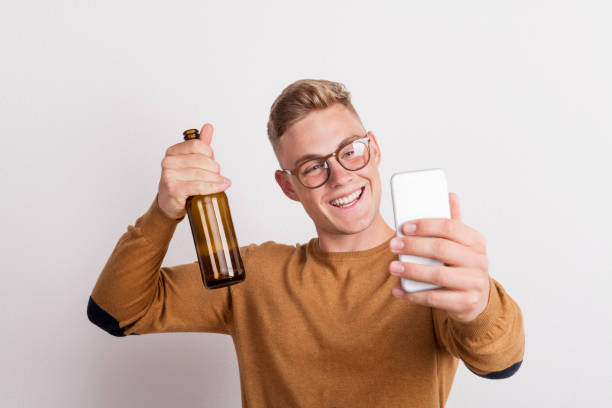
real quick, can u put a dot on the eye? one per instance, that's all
(348, 154)
(312, 168)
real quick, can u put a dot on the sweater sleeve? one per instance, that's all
(134, 294)
(493, 344)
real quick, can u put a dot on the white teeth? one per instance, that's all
(345, 201)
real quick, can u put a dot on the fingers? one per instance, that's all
(440, 275)
(206, 133)
(191, 160)
(191, 173)
(444, 250)
(455, 302)
(196, 146)
(454, 206)
(199, 187)
(189, 168)
(451, 229)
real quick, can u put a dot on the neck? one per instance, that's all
(374, 235)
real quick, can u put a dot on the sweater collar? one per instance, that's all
(317, 252)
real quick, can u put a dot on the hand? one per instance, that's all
(465, 273)
(189, 168)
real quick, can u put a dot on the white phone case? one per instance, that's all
(419, 194)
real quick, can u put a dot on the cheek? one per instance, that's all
(376, 182)
(373, 178)
(311, 201)
(375, 186)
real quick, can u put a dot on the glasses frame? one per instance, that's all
(326, 158)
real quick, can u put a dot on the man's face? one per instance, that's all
(320, 133)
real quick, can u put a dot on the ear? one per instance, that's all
(285, 185)
(375, 149)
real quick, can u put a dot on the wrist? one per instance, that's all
(167, 214)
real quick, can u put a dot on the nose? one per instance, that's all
(338, 174)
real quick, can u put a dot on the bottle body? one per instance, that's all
(215, 240)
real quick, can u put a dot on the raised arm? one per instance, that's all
(134, 294)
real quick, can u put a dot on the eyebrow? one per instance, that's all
(314, 156)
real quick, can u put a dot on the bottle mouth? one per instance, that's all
(191, 134)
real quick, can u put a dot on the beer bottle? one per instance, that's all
(213, 235)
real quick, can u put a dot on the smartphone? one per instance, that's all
(419, 194)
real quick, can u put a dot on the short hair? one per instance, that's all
(299, 99)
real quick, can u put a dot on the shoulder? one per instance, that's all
(270, 251)
(264, 265)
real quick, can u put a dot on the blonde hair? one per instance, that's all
(299, 99)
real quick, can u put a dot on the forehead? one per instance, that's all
(319, 133)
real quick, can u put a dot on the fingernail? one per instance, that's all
(225, 182)
(396, 268)
(397, 243)
(397, 291)
(409, 228)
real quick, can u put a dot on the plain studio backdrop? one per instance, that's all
(511, 98)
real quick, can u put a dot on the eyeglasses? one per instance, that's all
(353, 155)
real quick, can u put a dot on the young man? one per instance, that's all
(324, 323)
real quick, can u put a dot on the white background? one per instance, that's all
(511, 98)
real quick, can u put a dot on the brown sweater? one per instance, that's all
(311, 329)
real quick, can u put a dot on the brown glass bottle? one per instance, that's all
(214, 236)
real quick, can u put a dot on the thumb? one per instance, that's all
(454, 206)
(206, 133)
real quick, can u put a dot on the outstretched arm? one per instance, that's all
(474, 318)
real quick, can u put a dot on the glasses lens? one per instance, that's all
(313, 173)
(354, 155)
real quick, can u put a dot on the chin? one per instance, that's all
(351, 230)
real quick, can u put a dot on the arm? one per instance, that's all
(135, 295)
(474, 318)
(492, 345)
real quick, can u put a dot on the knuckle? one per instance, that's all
(172, 189)
(439, 247)
(484, 263)
(166, 177)
(164, 162)
(430, 298)
(482, 283)
(438, 276)
(210, 151)
(483, 242)
(448, 227)
(470, 300)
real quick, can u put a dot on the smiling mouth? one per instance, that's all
(349, 201)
